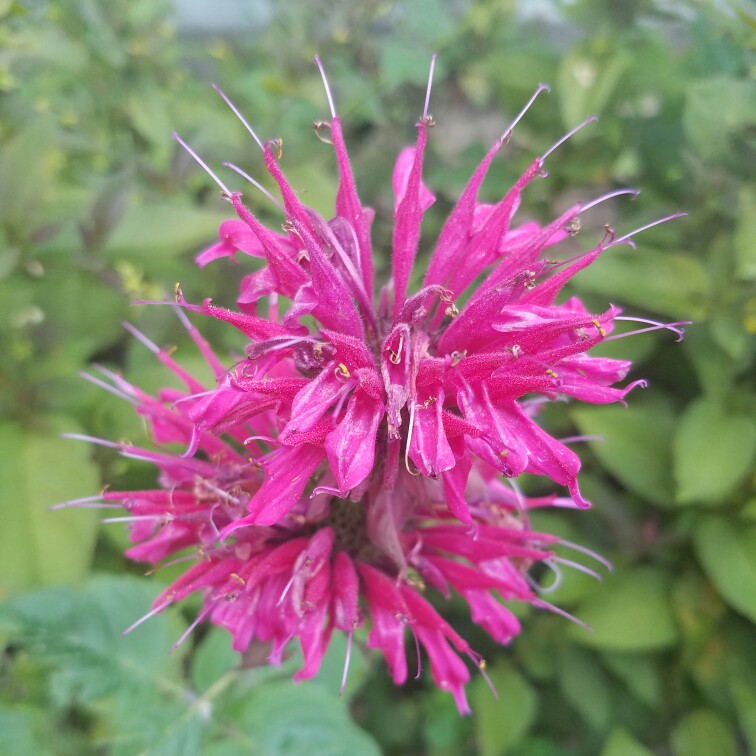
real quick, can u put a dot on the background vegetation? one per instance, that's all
(99, 208)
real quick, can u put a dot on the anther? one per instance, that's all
(342, 371)
(275, 146)
(552, 373)
(395, 357)
(573, 227)
(598, 327)
(322, 131)
(457, 357)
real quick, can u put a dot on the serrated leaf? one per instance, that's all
(500, 724)
(631, 613)
(702, 733)
(728, 555)
(713, 452)
(637, 443)
(38, 469)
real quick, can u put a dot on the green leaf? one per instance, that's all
(500, 724)
(38, 469)
(585, 85)
(637, 443)
(715, 110)
(639, 675)
(585, 686)
(621, 743)
(151, 232)
(282, 718)
(713, 452)
(631, 613)
(745, 249)
(703, 733)
(728, 554)
(673, 285)
(744, 699)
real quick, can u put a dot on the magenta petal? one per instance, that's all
(351, 446)
(400, 181)
(409, 215)
(429, 448)
(455, 481)
(282, 489)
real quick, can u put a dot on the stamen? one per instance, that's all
(627, 236)
(409, 439)
(224, 188)
(579, 567)
(567, 136)
(430, 84)
(91, 440)
(325, 85)
(147, 616)
(137, 518)
(256, 184)
(507, 135)
(139, 336)
(587, 552)
(346, 664)
(395, 357)
(201, 616)
(86, 502)
(111, 389)
(562, 613)
(604, 197)
(579, 439)
(239, 116)
(544, 589)
(654, 326)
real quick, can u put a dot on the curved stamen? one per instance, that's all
(203, 165)
(654, 326)
(562, 613)
(604, 197)
(329, 97)
(256, 184)
(567, 136)
(506, 136)
(543, 589)
(239, 116)
(430, 84)
(587, 552)
(579, 567)
(626, 237)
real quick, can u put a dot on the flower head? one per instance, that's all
(354, 457)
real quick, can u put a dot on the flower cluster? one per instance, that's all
(363, 452)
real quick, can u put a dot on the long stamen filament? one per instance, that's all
(202, 164)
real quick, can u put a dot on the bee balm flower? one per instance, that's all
(359, 453)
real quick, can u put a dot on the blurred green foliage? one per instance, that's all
(98, 209)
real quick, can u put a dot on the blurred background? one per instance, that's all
(100, 208)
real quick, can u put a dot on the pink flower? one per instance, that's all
(354, 457)
(330, 563)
